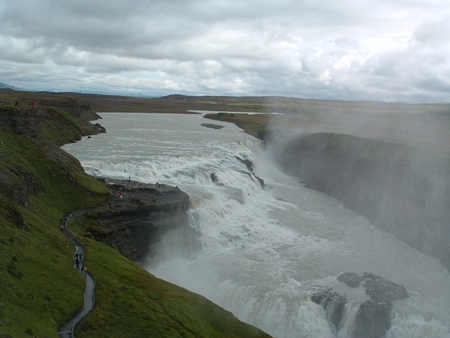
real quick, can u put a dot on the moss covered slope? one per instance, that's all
(39, 289)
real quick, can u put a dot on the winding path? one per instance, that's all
(66, 330)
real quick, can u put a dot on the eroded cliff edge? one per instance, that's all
(136, 216)
(397, 187)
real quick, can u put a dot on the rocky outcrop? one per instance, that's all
(333, 304)
(378, 288)
(373, 317)
(249, 172)
(212, 125)
(26, 121)
(249, 166)
(397, 187)
(372, 320)
(71, 105)
(136, 217)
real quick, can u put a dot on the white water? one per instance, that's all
(265, 251)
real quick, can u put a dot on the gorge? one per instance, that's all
(266, 249)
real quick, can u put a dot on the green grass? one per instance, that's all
(39, 289)
(66, 117)
(256, 125)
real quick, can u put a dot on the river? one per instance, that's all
(265, 250)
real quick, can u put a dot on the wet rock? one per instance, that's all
(383, 290)
(373, 319)
(212, 126)
(99, 128)
(334, 305)
(351, 279)
(214, 178)
(378, 288)
(249, 166)
(247, 163)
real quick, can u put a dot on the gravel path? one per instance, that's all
(66, 330)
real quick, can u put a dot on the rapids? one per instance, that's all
(266, 250)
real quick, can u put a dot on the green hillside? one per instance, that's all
(39, 288)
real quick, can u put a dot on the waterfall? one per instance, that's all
(264, 250)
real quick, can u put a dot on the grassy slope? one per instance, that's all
(256, 125)
(39, 289)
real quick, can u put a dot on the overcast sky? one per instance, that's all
(381, 50)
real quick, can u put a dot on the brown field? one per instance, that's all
(424, 125)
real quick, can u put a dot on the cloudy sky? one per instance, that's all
(382, 50)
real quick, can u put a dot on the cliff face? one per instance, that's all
(136, 216)
(398, 188)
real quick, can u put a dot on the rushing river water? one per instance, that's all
(265, 250)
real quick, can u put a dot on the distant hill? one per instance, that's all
(7, 86)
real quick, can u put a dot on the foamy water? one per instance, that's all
(265, 250)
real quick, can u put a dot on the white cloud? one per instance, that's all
(360, 50)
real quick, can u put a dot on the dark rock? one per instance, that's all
(350, 278)
(378, 288)
(249, 166)
(133, 222)
(99, 128)
(334, 305)
(214, 178)
(212, 126)
(383, 290)
(247, 163)
(32, 183)
(27, 121)
(373, 319)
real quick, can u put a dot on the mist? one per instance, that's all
(389, 163)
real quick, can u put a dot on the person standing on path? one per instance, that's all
(66, 330)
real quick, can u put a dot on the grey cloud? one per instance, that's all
(433, 32)
(381, 50)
